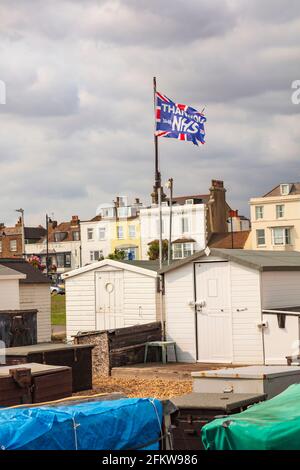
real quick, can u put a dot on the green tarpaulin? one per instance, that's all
(269, 425)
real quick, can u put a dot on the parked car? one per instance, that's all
(57, 289)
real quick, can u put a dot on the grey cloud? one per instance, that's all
(77, 127)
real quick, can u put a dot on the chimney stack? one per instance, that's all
(218, 207)
(75, 221)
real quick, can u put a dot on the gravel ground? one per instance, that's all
(139, 388)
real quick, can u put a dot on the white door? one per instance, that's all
(214, 328)
(109, 300)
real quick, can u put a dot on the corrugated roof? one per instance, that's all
(255, 259)
(33, 275)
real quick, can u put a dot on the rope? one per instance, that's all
(79, 397)
(75, 426)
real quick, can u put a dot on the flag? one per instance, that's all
(178, 121)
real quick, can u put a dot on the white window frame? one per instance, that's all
(285, 189)
(181, 249)
(185, 221)
(259, 212)
(103, 231)
(285, 237)
(120, 232)
(13, 248)
(92, 255)
(258, 237)
(280, 211)
(77, 237)
(88, 232)
(124, 212)
(131, 231)
(0, 246)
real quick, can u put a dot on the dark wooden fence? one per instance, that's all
(120, 347)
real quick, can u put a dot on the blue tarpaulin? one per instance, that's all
(127, 423)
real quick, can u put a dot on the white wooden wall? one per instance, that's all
(139, 299)
(280, 289)
(80, 303)
(139, 307)
(245, 294)
(38, 296)
(180, 317)
(9, 294)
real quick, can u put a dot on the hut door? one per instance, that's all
(213, 312)
(109, 300)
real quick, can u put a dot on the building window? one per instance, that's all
(102, 233)
(285, 189)
(279, 211)
(76, 236)
(60, 236)
(120, 232)
(260, 237)
(182, 250)
(185, 225)
(259, 212)
(281, 236)
(90, 234)
(96, 255)
(131, 231)
(13, 245)
(109, 212)
(124, 212)
(0, 246)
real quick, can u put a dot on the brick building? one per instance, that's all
(11, 239)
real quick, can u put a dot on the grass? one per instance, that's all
(58, 309)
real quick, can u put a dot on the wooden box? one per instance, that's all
(34, 383)
(76, 356)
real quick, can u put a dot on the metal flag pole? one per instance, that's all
(170, 187)
(157, 186)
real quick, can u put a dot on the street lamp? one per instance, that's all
(21, 211)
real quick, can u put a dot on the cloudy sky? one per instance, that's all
(77, 127)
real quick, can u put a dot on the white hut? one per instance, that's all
(111, 294)
(22, 287)
(234, 306)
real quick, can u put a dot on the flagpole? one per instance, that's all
(157, 187)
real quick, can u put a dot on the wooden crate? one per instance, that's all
(46, 383)
(78, 357)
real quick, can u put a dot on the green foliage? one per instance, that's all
(153, 251)
(117, 255)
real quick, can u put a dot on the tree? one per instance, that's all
(117, 255)
(153, 251)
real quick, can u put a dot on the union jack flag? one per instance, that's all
(178, 121)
